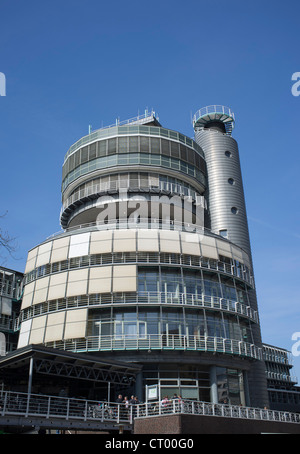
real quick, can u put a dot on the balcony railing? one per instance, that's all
(150, 342)
(53, 408)
(280, 376)
(95, 190)
(191, 407)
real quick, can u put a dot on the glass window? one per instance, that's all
(171, 282)
(92, 151)
(144, 180)
(112, 160)
(183, 152)
(229, 292)
(174, 149)
(165, 161)
(155, 160)
(133, 144)
(123, 144)
(144, 158)
(144, 144)
(148, 281)
(102, 148)
(155, 145)
(84, 154)
(77, 158)
(223, 233)
(165, 147)
(175, 164)
(130, 330)
(112, 143)
(190, 156)
(212, 288)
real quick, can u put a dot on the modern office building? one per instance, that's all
(283, 392)
(153, 266)
(10, 294)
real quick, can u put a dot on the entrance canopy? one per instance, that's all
(37, 359)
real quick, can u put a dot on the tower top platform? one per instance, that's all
(213, 115)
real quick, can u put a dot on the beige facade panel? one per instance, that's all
(38, 330)
(57, 286)
(60, 249)
(237, 254)
(31, 259)
(101, 242)
(100, 279)
(224, 248)
(28, 295)
(79, 245)
(44, 253)
(246, 259)
(124, 278)
(76, 321)
(208, 247)
(190, 243)
(169, 241)
(5, 306)
(24, 333)
(147, 241)
(55, 326)
(77, 282)
(124, 240)
(41, 290)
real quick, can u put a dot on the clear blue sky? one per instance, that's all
(72, 63)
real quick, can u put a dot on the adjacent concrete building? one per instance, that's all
(10, 303)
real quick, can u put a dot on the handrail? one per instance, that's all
(46, 406)
(213, 109)
(98, 188)
(192, 407)
(143, 223)
(140, 298)
(24, 404)
(150, 342)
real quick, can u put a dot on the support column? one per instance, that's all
(246, 389)
(213, 385)
(139, 386)
(30, 376)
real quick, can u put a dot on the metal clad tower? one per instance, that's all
(213, 127)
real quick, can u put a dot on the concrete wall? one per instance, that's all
(193, 424)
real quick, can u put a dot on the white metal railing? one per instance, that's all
(191, 407)
(140, 298)
(142, 223)
(53, 407)
(136, 119)
(26, 405)
(280, 376)
(117, 185)
(202, 300)
(110, 131)
(159, 342)
(213, 109)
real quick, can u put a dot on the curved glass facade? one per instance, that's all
(129, 159)
(172, 296)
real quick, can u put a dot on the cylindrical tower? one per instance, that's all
(137, 275)
(213, 126)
